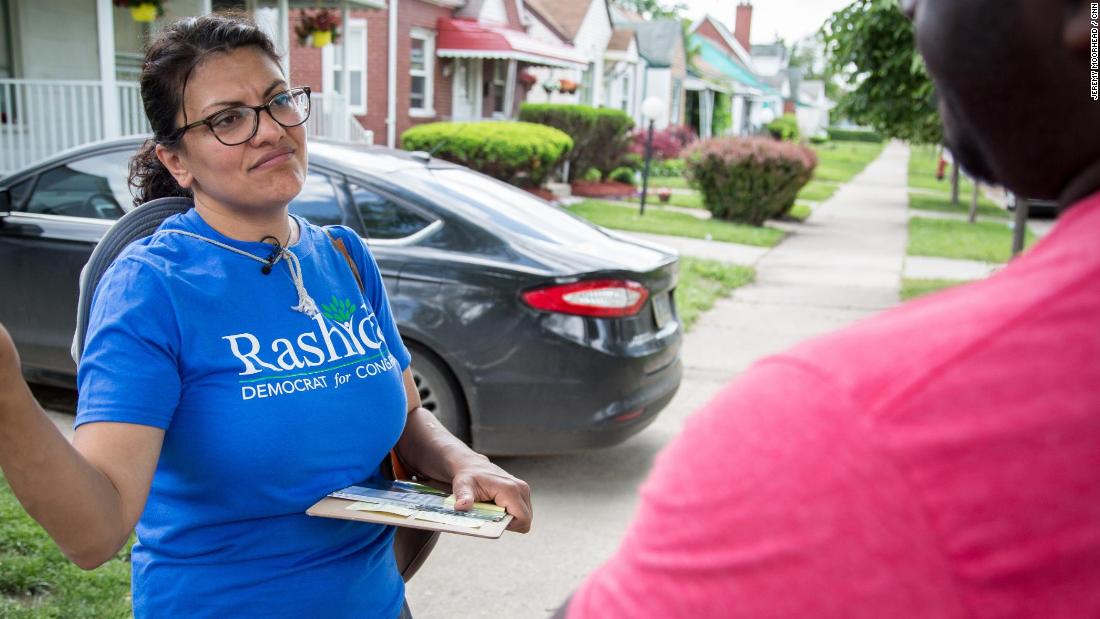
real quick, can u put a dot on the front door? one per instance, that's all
(467, 89)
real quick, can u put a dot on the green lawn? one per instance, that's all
(913, 288)
(840, 161)
(984, 241)
(702, 282)
(942, 204)
(818, 191)
(672, 182)
(922, 173)
(800, 211)
(687, 200)
(625, 217)
(37, 581)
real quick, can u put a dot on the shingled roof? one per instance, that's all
(620, 40)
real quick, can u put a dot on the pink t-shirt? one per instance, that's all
(939, 460)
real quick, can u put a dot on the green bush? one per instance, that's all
(592, 175)
(516, 152)
(854, 135)
(601, 136)
(785, 128)
(749, 180)
(668, 167)
(819, 139)
(622, 174)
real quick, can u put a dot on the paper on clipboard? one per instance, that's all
(408, 504)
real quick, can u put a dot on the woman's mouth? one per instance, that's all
(272, 160)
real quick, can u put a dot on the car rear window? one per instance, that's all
(500, 204)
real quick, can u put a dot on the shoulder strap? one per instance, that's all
(394, 469)
(339, 243)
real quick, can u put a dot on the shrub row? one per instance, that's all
(600, 136)
(749, 180)
(516, 152)
(854, 135)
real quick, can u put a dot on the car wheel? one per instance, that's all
(439, 392)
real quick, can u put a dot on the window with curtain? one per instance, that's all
(356, 40)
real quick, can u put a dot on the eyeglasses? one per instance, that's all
(237, 125)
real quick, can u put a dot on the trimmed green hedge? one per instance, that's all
(516, 152)
(785, 128)
(749, 180)
(601, 136)
(854, 135)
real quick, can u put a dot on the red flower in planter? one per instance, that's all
(664, 194)
(526, 79)
(567, 86)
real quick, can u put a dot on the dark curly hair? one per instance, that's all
(171, 58)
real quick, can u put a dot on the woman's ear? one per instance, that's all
(175, 165)
(1078, 27)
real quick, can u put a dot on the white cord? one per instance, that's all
(306, 304)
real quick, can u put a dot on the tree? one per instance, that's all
(870, 45)
(652, 9)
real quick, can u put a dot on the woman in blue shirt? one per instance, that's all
(220, 395)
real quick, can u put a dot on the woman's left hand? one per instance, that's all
(478, 479)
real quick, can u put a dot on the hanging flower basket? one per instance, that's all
(526, 79)
(567, 86)
(142, 10)
(318, 28)
(551, 86)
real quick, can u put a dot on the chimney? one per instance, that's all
(742, 27)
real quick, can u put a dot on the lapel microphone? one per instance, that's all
(273, 256)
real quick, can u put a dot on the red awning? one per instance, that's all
(465, 38)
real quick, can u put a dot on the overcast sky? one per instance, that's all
(791, 19)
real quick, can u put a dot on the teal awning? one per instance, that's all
(731, 69)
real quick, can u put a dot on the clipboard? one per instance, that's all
(331, 507)
(429, 501)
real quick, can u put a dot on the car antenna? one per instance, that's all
(440, 144)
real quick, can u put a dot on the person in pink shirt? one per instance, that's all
(941, 459)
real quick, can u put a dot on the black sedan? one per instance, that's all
(531, 330)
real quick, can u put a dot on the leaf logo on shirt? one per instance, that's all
(339, 310)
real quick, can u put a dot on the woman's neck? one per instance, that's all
(248, 226)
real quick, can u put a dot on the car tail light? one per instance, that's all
(601, 298)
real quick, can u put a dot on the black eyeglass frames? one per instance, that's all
(238, 124)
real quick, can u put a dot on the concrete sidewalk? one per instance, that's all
(845, 263)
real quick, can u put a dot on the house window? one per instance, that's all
(500, 73)
(625, 104)
(586, 85)
(421, 70)
(356, 41)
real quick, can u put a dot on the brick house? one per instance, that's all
(451, 60)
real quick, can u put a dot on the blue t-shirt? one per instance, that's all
(265, 410)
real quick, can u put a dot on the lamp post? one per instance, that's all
(651, 109)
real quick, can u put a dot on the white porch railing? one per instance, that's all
(40, 118)
(328, 118)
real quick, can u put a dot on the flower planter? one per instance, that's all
(321, 38)
(145, 12)
(664, 195)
